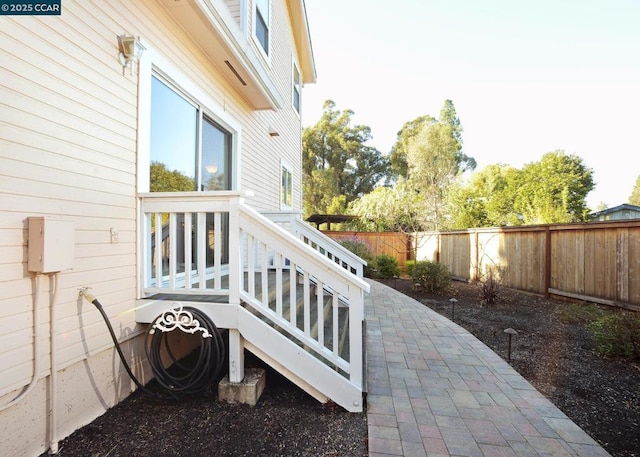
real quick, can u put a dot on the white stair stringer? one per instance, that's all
(303, 369)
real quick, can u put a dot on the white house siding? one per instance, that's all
(286, 122)
(68, 150)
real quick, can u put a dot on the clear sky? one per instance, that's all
(526, 77)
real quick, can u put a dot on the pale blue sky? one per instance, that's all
(526, 77)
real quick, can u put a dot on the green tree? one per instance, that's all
(486, 199)
(449, 117)
(337, 161)
(634, 198)
(387, 209)
(398, 155)
(428, 154)
(164, 180)
(554, 190)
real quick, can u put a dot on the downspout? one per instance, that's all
(53, 378)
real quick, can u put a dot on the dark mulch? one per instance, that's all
(285, 422)
(601, 395)
(557, 356)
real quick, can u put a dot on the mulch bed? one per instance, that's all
(601, 395)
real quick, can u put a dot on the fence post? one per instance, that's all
(547, 262)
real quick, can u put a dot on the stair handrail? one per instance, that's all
(324, 244)
(349, 287)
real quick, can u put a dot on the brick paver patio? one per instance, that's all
(436, 390)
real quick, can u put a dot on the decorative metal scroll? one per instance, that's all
(179, 318)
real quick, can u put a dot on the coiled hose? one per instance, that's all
(180, 378)
(194, 373)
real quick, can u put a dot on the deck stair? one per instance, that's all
(287, 293)
(319, 299)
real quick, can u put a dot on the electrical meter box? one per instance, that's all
(51, 245)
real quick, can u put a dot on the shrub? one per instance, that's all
(617, 335)
(387, 267)
(431, 276)
(361, 250)
(490, 286)
(409, 265)
(580, 313)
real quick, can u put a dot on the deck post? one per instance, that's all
(236, 356)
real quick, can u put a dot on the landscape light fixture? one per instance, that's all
(130, 51)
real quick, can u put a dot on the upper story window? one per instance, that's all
(262, 23)
(286, 196)
(297, 88)
(189, 150)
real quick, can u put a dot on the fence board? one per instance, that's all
(597, 261)
(397, 245)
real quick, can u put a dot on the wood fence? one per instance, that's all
(397, 245)
(597, 262)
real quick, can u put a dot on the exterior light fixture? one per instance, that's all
(130, 52)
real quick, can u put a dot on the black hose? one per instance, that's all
(194, 373)
(179, 379)
(99, 307)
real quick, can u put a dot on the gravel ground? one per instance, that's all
(601, 395)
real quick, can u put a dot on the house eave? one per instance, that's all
(210, 25)
(302, 38)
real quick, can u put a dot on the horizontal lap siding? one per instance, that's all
(261, 157)
(68, 126)
(68, 142)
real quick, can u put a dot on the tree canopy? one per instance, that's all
(337, 162)
(634, 198)
(429, 183)
(164, 180)
(551, 190)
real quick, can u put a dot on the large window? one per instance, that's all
(189, 151)
(262, 15)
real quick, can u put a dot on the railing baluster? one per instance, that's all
(159, 249)
(293, 294)
(277, 261)
(188, 249)
(173, 249)
(217, 250)
(320, 310)
(264, 272)
(251, 265)
(307, 303)
(336, 324)
(201, 246)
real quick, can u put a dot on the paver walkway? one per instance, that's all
(436, 390)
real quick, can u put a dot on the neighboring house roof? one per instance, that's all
(630, 212)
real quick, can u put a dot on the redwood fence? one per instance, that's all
(597, 262)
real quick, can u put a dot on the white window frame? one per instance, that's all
(286, 186)
(296, 88)
(266, 53)
(154, 64)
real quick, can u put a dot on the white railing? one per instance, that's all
(326, 246)
(211, 243)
